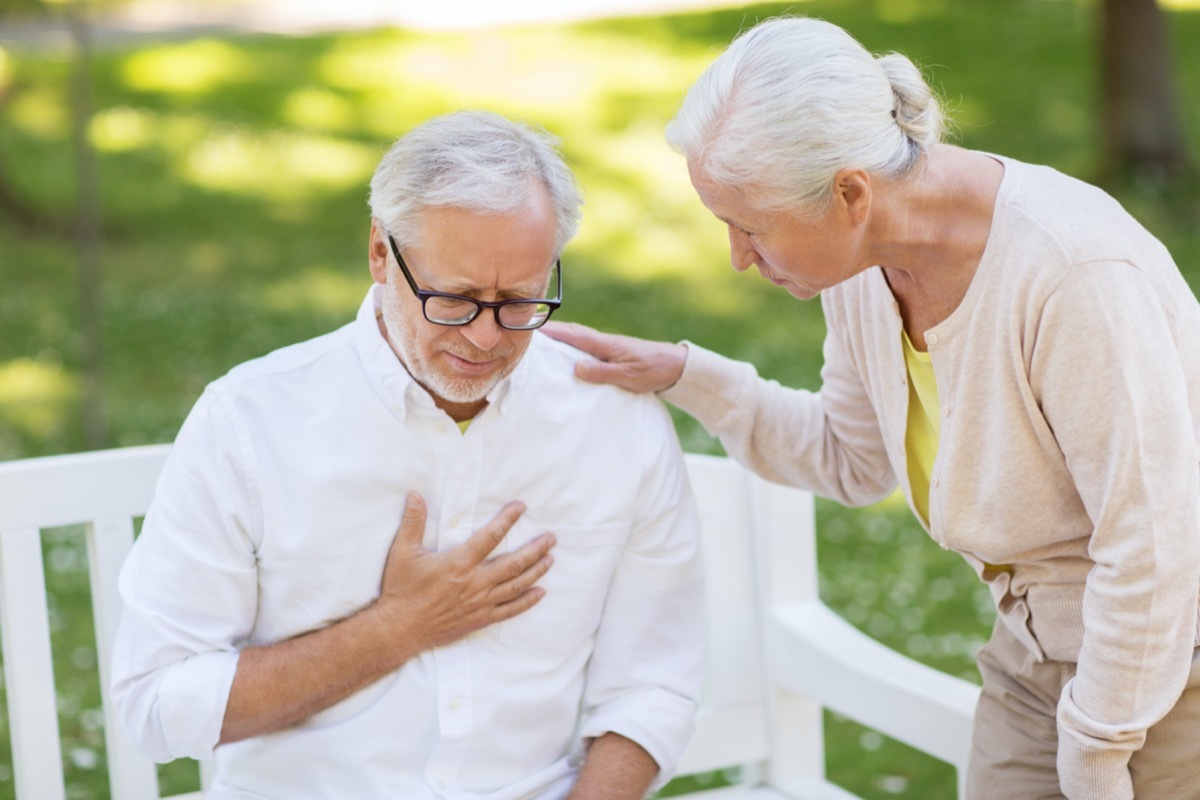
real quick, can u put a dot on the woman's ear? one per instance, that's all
(852, 194)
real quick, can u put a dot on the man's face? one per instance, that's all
(483, 256)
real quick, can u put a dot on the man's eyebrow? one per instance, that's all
(470, 290)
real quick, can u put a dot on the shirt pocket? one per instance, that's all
(576, 585)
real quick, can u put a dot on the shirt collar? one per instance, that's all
(391, 380)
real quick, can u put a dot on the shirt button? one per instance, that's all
(936, 481)
(946, 411)
(455, 703)
(454, 522)
(931, 338)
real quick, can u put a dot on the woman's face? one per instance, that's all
(802, 254)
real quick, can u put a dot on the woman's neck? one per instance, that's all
(933, 230)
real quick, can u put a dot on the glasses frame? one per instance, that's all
(424, 296)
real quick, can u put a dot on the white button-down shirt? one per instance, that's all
(274, 516)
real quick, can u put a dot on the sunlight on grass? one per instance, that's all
(8, 68)
(129, 129)
(191, 68)
(495, 70)
(364, 63)
(33, 394)
(320, 290)
(318, 109)
(39, 112)
(122, 128)
(905, 12)
(277, 164)
(208, 258)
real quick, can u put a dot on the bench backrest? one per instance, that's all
(758, 550)
(104, 491)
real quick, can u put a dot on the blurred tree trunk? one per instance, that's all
(1142, 133)
(87, 229)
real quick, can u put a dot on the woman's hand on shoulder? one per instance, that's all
(637, 365)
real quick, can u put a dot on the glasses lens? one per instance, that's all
(524, 316)
(450, 310)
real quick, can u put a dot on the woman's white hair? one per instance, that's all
(474, 160)
(794, 100)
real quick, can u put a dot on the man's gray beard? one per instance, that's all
(436, 383)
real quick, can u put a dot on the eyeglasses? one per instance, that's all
(518, 314)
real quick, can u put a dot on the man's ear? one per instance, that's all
(852, 194)
(377, 252)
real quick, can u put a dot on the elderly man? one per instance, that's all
(414, 558)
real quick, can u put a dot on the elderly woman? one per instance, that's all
(1008, 345)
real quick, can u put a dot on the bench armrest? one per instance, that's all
(814, 652)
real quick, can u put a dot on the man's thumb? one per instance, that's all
(412, 523)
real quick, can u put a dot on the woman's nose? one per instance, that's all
(742, 254)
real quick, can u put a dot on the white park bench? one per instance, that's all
(776, 655)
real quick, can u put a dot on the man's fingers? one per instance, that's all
(412, 522)
(523, 602)
(484, 541)
(523, 576)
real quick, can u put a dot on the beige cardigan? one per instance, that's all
(1069, 380)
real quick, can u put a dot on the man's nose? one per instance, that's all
(484, 331)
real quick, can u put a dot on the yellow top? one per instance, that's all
(921, 436)
(466, 423)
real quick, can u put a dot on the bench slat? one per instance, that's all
(66, 490)
(28, 667)
(131, 776)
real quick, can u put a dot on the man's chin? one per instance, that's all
(463, 392)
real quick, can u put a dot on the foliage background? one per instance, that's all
(234, 170)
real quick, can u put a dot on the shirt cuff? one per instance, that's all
(1088, 772)
(660, 722)
(192, 701)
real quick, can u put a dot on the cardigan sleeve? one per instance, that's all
(1111, 384)
(828, 441)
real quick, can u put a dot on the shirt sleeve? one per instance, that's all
(828, 442)
(1108, 375)
(646, 670)
(189, 589)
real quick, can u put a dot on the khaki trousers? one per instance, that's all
(1015, 741)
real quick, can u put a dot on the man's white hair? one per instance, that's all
(474, 160)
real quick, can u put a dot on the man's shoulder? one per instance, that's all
(294, 362)
(562, 396)
(555, 363)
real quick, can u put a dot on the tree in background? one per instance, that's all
(1142, 133)
(86, 223)
(88, 227)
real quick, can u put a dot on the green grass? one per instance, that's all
(234, 174)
